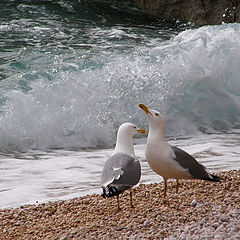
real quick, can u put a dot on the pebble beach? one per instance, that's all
(201, 210)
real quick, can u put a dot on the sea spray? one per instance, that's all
(70, 84)
(72, 71)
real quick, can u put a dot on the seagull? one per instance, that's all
(122, 170)
(168, 161)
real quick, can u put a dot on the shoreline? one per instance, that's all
(202, 209)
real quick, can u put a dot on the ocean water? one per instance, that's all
(72, 71)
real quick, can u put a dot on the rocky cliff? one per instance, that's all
(201, 12)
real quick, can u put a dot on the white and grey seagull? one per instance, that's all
(122, 170)
(168, 161)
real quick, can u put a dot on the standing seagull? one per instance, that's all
(122, 171)
(168, 161)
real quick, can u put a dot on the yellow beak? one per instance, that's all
(142, 131)
(144, 108)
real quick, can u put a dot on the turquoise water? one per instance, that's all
(72, 71)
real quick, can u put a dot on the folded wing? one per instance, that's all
(121, 171)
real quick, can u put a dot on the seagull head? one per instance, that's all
(124, 142)
(129, 129)
(156, 120)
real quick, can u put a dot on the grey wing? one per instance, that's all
(121, 169)
(187, 161)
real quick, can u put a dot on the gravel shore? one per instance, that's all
(201, 210)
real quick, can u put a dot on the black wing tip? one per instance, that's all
(110, 191)
(213, 178)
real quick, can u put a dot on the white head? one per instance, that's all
(156, 120)
(128, 130)
(125, 134)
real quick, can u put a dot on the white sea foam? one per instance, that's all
(39, 176)
(77, 99)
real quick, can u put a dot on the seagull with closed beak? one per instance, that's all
(122, 170)
(168, 161)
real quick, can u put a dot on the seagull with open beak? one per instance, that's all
(168, 161)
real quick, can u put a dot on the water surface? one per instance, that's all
(72, 71)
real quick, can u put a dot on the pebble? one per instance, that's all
(63, 238)
(224, 218)
(218, 237)
(193, 203)
(215, 225)
(201, 211)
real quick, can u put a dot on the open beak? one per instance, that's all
(144, 108)
(142, 131)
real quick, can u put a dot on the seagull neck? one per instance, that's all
(157, 133)
(124, 145)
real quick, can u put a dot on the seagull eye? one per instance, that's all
(134, 127)
(156, 114)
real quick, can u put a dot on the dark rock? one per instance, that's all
(200, 12)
